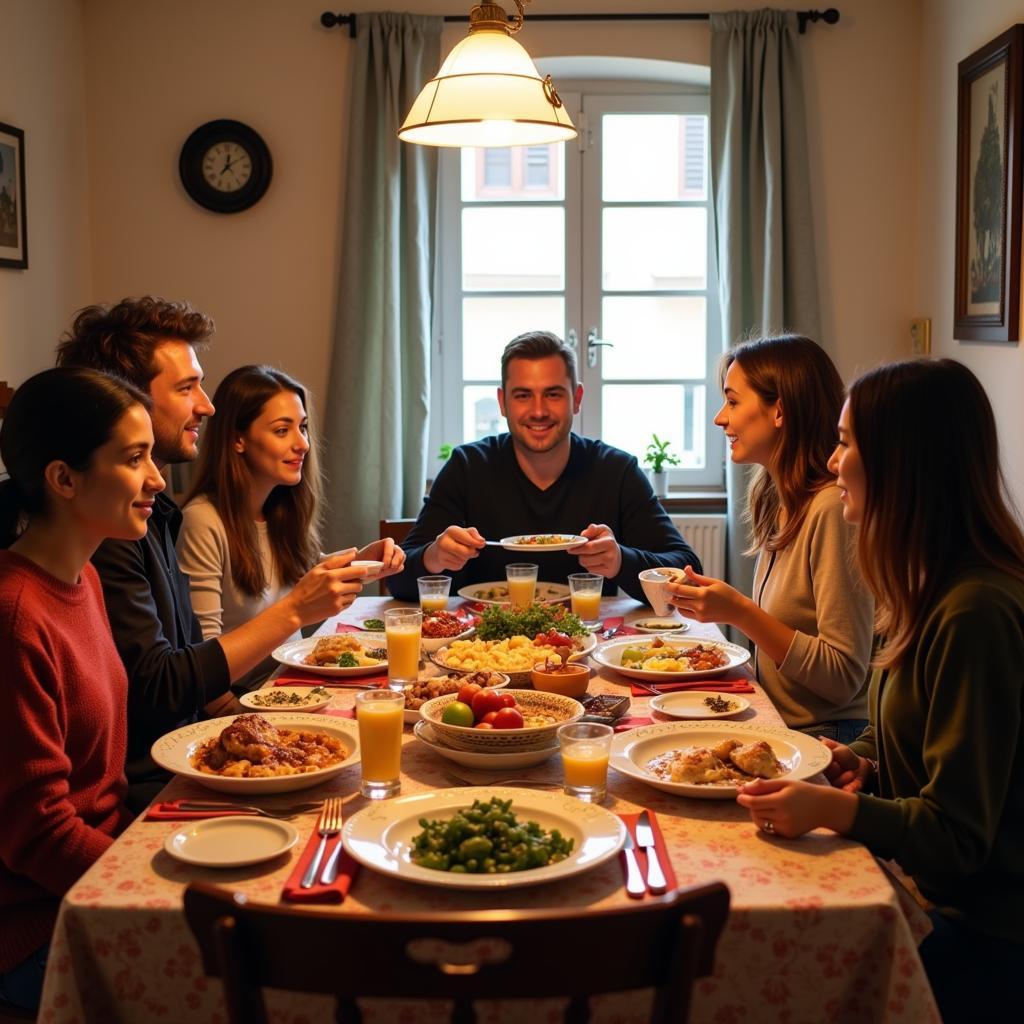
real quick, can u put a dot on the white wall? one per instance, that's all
(41, 92)
(951, 31)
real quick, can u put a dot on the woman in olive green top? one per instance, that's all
(937, 780)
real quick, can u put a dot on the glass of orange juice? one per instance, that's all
(585, 749)
(434, 592)
(585, 595)
(403, 628)
(380, 719)
(522, 583)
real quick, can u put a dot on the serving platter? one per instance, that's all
(379, 836)
(293, 652)
(231, 842)
(497, 592)
(610, 656)
(478, 759)
(174, 751)
(803, 755)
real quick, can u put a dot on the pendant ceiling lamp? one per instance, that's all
(488, 92)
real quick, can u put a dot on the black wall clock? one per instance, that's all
(225, 166)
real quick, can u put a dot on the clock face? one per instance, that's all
(227, 166)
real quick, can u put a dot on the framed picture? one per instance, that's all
(13, 220)
(990, 119)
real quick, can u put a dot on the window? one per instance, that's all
(607, 242)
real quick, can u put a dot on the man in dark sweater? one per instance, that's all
(540, 478)
(173, 673)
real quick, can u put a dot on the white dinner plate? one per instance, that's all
(690, 704)
(174, 753)
(286, 698)
(497, 592)
(477, 759)
(379, 836)
(231, 842)
(610, 655)
(803, 755)
(293, 653)
(660, 625)
(523, 542)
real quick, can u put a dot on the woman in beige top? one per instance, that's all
(810, 615)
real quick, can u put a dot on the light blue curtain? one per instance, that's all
(762, 196)
(377, 398)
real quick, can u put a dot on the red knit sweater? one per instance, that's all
(63, 699)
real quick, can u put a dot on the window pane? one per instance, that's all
(513, 249)
(672, 411)
(653, 157)
(508, 174)
(489, 324)
(648, 249)
(481, 416)
(655, 337)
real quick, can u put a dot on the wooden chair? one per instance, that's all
(398, 529)
(663, 943)
(6, 394)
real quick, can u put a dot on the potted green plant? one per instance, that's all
(659, 455)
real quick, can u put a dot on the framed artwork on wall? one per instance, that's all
(990, 144)
(13, 219)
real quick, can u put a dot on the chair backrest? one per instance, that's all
(397, 529)
(6, 394)
(663, 943)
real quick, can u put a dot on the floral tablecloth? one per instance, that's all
(817, 930)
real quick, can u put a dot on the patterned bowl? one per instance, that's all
(562, 709)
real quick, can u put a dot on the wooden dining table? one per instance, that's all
(818, 929)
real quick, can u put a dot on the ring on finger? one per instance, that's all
(768, 826)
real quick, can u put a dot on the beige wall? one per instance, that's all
(41, 92)
(951, 31)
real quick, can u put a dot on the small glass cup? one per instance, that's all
(380, 719)
(585, 596)
(585, 749)
(522, 583)
(434, 592)
(403, 630)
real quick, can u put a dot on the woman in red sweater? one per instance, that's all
(76, 445)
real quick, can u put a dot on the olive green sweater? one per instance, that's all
(946, 729)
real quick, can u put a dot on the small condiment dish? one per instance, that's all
(570, 680)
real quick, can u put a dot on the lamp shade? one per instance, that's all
(487, 93)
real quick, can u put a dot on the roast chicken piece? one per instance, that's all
(758, 759)
(253, 738)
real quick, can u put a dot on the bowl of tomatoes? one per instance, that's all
(490, 720)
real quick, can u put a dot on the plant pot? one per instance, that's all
(659, 481)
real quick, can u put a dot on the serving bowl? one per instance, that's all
(570, 680)
(518, 677)
(563, 709)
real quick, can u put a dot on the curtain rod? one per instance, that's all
(830, 16)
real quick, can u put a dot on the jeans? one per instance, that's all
(974, 977)
(842, 730)
(22, 986)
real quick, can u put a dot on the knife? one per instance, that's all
(634, 880)
(645, 839)
(331, 867)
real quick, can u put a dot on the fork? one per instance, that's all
(223, 805)
(328, 824)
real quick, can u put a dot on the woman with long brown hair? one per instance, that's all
(252, 520)
(937, 781)
(810, 615)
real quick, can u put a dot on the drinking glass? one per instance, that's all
(380, 719)
(585, 749)
(434, 592)
(522, 583)
(585, 595)
(403, 630)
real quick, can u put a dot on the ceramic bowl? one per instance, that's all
(570, 681)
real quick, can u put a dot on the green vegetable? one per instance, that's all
(377, 625)
(497, 623)
(487, 839)
(347, 660)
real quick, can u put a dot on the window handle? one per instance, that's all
(593, 344)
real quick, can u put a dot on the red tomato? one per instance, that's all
(468, 691)
(483, 725)
(507, 700)
(508, 718)
(489, 717)
(484, 701)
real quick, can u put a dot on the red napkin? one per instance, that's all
(632, 722)
(347, 627)
(168, 810)
(296, 677)
(738, 684)
(341, 713)
(333, 893)
(616, 624)
(630, 820)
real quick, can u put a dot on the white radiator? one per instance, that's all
(706, 535)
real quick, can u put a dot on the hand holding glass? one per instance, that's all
(585, 749)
